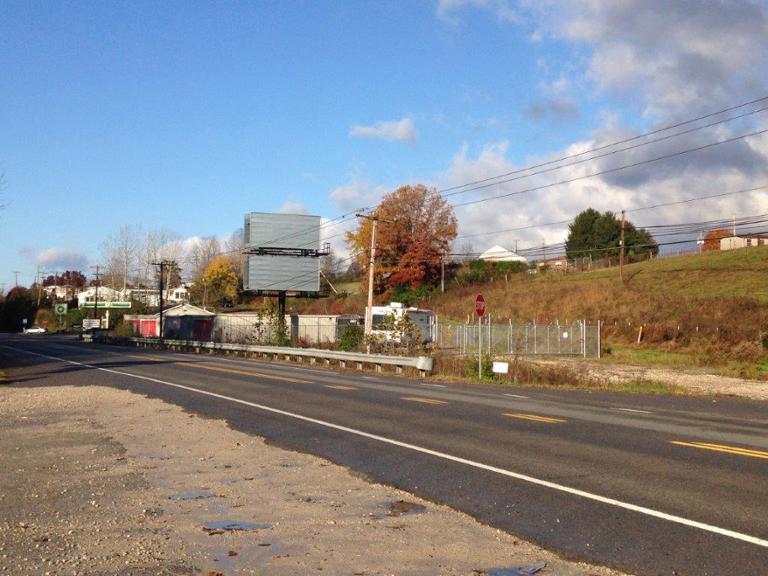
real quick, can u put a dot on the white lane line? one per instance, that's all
(634, 410)
(369, 378)
(474, 464)
(433, 385)
(517, 396)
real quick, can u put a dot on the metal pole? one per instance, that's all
(599, 346)
(479, 347)
(621, 253)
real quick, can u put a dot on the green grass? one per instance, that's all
(649, 358)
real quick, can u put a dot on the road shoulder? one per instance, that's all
(106, 481)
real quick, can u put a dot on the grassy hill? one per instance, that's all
(711, 306)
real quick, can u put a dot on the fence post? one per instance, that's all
(599, 343)
(490, 335)
(535, 343)
(584, 337)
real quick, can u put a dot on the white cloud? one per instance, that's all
(657, 183)
(293, 208)
(401, 130)
(59, 259)
(357, 195)
(679, 57)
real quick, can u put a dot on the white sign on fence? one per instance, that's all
(501, 367)
(89, 323)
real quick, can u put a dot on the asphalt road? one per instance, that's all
(646, 484)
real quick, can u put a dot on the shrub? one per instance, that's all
(351, 337)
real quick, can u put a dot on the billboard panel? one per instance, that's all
(274, 271)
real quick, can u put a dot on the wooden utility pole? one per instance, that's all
(98, 275)
(371, 265)
(162, 264)
(621, 251)
(442, 273)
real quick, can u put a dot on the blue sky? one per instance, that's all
(186, 115)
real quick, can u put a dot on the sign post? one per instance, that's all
(480, 310)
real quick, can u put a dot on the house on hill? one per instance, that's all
(501, 254)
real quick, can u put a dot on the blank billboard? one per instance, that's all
(281, 234)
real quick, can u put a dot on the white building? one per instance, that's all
(746, 241)
(105, 295)
(59, 292)
(501, 254)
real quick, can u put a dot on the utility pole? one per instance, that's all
(96, 295)
(442, 273)
(40, 276)
(16, 276)
(371, 264)
(515, 247)
(162, 264)
(621, 245)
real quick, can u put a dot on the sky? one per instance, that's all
(184, 116)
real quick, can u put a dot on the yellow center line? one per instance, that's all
(423, 400)
(148, 357)
(340, 387)
(723, 448)
(535, 418)
(246, 372)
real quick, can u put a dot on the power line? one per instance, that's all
(615, 143)
(598, 156)
(606, 171)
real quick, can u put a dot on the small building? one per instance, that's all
(105, 294)
(559, 263)
(743, 241)
(181, 322)
(501, 254)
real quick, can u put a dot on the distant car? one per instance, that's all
(35, 330)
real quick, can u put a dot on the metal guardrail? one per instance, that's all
(421, 363)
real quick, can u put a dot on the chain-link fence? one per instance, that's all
(570, 339)
(254, 328)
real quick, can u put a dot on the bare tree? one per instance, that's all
(233, 247)
(162, 244)
(203, 252)
(120, 251)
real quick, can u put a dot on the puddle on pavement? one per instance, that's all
(194, 495)
(525, 571)
(221, 526)
(403, 507)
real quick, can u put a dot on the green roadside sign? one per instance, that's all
(102, 304)
(60, 309)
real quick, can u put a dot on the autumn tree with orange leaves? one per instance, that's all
(713, 237)
(416, 227)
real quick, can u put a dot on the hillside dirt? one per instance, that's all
(99, 481)
(696, 381)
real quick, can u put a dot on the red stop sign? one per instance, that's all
(480, 305)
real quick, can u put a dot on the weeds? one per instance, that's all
(525, 373)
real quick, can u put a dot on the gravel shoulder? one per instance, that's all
(101, 481)
(696, 381)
